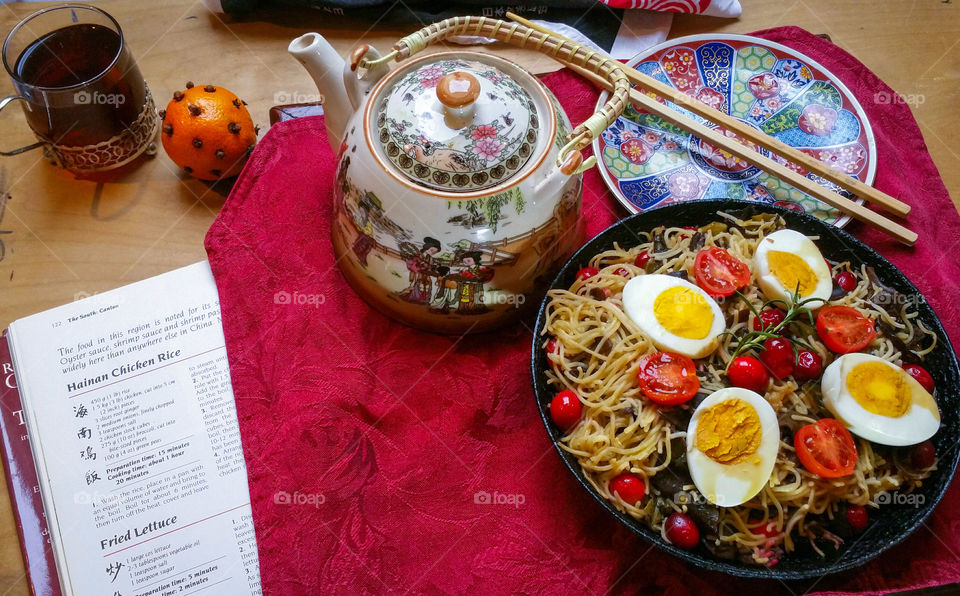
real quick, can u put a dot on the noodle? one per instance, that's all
(599, 346)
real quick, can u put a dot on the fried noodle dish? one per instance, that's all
(737, 392)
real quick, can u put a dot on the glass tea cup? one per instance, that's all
(81, 91)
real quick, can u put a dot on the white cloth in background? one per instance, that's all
(640, 29)
(724, 8)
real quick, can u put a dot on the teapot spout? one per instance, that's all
(326, 67)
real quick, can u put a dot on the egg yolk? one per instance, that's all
(683, 312)
(879, 389)
(729, 432)
(792, 271)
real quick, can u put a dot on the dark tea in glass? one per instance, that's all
(81, 90)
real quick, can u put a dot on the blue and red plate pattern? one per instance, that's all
(648, 162)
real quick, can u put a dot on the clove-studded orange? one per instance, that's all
(207, 131)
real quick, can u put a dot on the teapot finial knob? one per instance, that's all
(458, 90)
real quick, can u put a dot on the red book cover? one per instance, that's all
(22, 484)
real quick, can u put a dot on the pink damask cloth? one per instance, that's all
(382, 459)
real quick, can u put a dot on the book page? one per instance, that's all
(132, 419)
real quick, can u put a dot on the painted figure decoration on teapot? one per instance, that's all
(458, 185)
(423, 271)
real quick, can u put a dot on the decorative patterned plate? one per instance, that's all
(648, 162)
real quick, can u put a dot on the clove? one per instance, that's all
(198, 143)
(189, 85)
(168, 129)
(177, 95)
(194, 110)
(234, 128)
(220, 153)
(209, 88)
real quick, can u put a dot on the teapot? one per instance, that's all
(459, 177)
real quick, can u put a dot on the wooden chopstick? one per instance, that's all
(749, 133)
(853, 209)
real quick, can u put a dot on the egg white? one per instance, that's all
(728, 485)
(795, 243)
(920, 422)
(639, 295)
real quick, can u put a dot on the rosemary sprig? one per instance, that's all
(795, 311)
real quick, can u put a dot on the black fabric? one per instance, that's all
(592, 18)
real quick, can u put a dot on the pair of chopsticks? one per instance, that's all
(732, 146)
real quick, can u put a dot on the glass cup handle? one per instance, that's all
(3, 104)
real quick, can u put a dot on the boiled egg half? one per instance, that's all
(677, 315)
(732, 443)
(879, 401)
(788, 262)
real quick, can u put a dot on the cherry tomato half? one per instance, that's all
(719, 273)
(565, 409)
(778, 356)
(844, 329)
(630, 487)
(587, 272)
(826, 449)
(668, 379)
(921, 375)
(622, 272)
(768, 529)
(681, 531)
(553, 347)
(642, 259)
(749, 373)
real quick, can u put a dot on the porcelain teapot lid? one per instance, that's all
(455, 123)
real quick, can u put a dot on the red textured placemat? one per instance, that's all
(367, 443)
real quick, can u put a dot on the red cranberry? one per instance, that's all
(681, 531)
(809, 366)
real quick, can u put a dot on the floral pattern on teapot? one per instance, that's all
(497, 143)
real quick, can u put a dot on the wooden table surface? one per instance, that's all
(66, 238)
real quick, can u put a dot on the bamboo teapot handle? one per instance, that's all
(517, 34)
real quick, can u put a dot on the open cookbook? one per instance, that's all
(121, 443)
